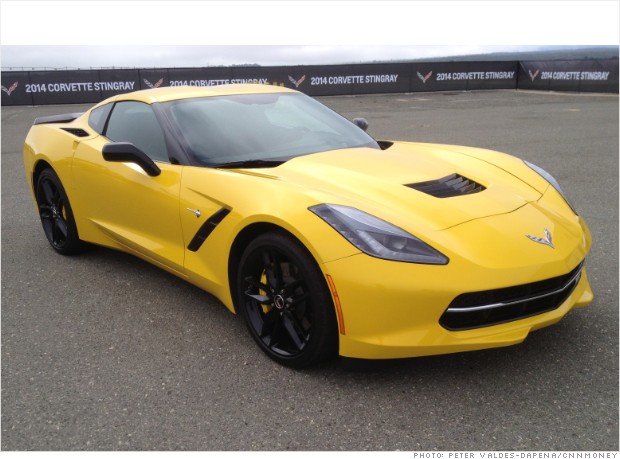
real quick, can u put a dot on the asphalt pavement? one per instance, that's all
(105, 352)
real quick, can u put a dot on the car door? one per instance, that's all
(124, 205)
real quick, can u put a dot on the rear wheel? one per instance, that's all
(56, 214)
(283, 297)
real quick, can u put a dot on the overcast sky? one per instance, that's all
(205, 56)
(197, 34)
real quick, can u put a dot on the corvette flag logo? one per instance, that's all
(297, 82)
(11, 89)
(547, 240)
(153, 85)
(533, 75)
(424, 77)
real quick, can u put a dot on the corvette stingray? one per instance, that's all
(323, 239)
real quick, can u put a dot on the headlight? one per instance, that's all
(549, 178)
(376, 237)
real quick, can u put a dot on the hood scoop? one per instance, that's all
(447, 187)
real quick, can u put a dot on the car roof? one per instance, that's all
(168, 93)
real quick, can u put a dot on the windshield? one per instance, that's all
(262, 130)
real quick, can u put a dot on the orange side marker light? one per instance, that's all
(332, 287)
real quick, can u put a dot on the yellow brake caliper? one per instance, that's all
(263, 280)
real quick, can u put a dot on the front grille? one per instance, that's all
(492, 307)
(76, 132)
(451, 185)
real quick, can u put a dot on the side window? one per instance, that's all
(135, 122)
(98, 117)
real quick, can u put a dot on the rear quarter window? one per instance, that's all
(98, 117)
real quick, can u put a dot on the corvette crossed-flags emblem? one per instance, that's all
(424, 77)
(153, 85)
(11, 88)
(297, 82)
(548, 240)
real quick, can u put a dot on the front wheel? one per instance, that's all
(56, 214)
(283, 297)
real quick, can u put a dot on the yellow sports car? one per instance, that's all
(323, 239)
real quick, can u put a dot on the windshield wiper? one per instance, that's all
(250, 163)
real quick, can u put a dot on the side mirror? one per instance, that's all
(361, 123)
(125, 152)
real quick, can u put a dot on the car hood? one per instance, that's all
(384, 182)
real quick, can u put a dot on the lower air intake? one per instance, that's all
(492, 307)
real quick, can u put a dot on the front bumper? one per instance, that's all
(390, 329)
(393, 309)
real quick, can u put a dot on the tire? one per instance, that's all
(284, 300)
(56, 214)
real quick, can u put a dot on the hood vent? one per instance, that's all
(76, 132)
(447, 187)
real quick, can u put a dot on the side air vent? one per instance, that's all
(452, 185)
(207, 228)
(76, 132)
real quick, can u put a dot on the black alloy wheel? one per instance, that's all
(56, 215)
(284, 299)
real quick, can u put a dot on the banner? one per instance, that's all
(91, 86)
(464, 76)
(582, 76)
(65, 86)
(331, 80)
